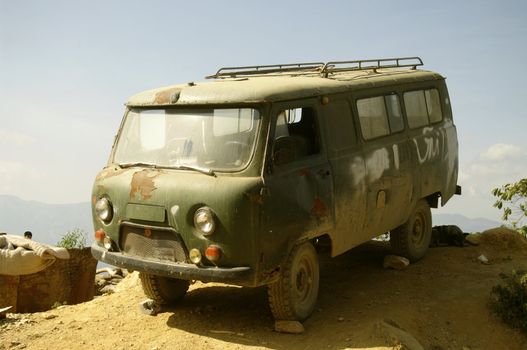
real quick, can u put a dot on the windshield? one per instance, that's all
(219, 139)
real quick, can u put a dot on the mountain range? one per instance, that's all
(49, 222)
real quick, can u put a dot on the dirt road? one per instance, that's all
(440, 302)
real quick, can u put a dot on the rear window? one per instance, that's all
(423, 107)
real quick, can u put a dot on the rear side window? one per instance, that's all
(423, 107)
(379, 116)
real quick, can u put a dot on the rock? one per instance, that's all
(483, 259)
(3, 311)
(395, 262)
(292, 327)
(108, 289)
(149, 307)
(396, 337)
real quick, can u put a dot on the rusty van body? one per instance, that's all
(236, 179)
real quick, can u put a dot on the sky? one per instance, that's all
(67, 68)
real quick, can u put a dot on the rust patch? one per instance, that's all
(109, 172)
(167, 96)
(148, 232)
(256, 198)
(143, 184)
(319, 208)
(303, 172)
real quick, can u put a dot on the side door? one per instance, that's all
(298, 179)
(387, 161)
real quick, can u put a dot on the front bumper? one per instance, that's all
(235, 275)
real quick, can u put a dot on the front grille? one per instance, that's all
(153, 243)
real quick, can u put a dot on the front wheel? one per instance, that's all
(294, 295)
(163, 290)
(412, 238)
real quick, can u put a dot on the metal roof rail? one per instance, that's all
(233, 72)
(374, 64)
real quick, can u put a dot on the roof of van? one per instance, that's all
(276, 87)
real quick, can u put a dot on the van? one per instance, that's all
(240, 178)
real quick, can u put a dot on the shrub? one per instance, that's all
(512, 199)
(75, 238)
(509, 300)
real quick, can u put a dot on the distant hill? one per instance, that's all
(466, 224)
(47, 222)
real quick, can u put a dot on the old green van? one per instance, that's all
(238, 179)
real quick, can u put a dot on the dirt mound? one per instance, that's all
(500, 242)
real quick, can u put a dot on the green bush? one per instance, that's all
(509, 300)
(75, 238)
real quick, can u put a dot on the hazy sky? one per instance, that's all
(67, 67)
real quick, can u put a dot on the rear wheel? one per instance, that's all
(412, 238)
(163, 290)
(294, 295)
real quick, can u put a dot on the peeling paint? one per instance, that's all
(109, 172)
(143, 184)
(432, 145)
(167, 96)
(377, 163)
(395, 149)
(319, 208)
(357, 171)
(256, 197)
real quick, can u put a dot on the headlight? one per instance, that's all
(104, 210)
(204, 220)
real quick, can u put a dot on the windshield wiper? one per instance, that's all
(205, 171)
(128, 165)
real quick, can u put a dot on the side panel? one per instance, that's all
(345, 155)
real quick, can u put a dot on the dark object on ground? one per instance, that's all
(450, 235)
(3, 311)
(149, 307)
(28, 235)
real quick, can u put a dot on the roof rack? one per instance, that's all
(232, 72)
(374, 64)
(318, 67)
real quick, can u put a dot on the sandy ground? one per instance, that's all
(440, 302)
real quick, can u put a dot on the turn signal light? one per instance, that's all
(99, 236)
(213, 253)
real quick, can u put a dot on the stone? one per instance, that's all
(108, 289)
(292, 327)
(483, 259)
(393, 334)
(395, 262)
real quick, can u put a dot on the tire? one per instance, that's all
(294, 295)
(412, 238)
(163, 290)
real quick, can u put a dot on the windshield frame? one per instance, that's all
(189, 167)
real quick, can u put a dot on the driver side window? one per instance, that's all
(296, 135)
